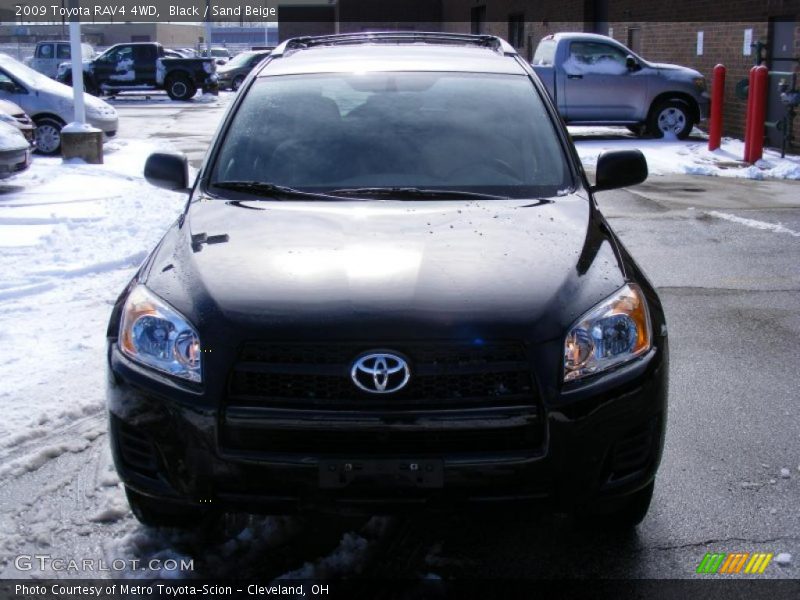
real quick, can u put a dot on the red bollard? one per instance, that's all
(759, 115)
(748, 122)
(717, 99)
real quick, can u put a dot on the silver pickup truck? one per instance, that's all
(595, 80)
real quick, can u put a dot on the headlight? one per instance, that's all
(155, 334)
(615, 331)
(699, 83)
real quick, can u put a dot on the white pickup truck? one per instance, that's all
(595, 80)
(48, 55)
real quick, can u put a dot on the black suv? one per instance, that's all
(391, 287)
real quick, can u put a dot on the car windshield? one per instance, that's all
(240, 60)
(469, 132)
(219, 52)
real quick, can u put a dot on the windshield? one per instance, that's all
(219, 52)
(240, 60)
(476, 133)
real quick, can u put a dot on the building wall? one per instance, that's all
(108, 34)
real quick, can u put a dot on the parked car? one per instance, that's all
(232, 74)
(15, 151)
(50, 104)
(220, 55)
(392, 286)
(48, 55)
(144, 66)
(595, 80)
(14, 115)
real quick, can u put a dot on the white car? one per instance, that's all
(15, 151)
(50, 104)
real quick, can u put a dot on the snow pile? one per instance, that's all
(784, 558)
(690, 157)
(71, 237)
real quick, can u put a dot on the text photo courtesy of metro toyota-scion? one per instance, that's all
(425, 299)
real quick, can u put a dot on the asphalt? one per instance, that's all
(730, 291)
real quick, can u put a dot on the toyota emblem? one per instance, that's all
(380, 373)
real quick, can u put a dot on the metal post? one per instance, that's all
(77, 62)
(208, 28)
(717, 101)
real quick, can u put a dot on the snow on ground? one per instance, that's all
(71, 236)
(689, 157)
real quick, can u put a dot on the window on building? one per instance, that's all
(635, 39)
(478, 19)
(516, 30)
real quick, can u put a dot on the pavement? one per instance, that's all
(724, 255)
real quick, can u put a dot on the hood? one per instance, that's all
(11, 139)
(10, 108)
(677, 70)
(388, 267)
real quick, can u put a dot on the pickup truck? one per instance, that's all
(144, 66)
(48, 55)
(595, 80)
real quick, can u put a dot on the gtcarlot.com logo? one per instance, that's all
(721, 563)
(46, 562)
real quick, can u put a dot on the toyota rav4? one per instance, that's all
(391, 287)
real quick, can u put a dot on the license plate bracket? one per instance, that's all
(423, 473)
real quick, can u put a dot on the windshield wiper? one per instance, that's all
(270, 190)
(402, 193)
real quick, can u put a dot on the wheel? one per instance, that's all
(180, 87)
(671, 117)
(48, 135)
(237, 82)
(624, 513)
(152, 513)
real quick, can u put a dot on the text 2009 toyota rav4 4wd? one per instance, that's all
(391, 287)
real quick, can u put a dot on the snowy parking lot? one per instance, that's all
(718, 238)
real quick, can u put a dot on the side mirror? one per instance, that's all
(168, 170)
(619, 168)
(631, 63)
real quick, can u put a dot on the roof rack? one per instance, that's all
(395, 37)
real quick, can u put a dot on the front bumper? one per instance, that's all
(14, 161)
(108, 126)
(602, 440)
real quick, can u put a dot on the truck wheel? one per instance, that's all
(48, 135)
(670, 117)
(180, 87)
(152, 513)
(237, 82)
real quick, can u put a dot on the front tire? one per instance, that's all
(48, 135)
(623, 514)
(152, 513)
(237, 83)
(181, 87)
(671, 117)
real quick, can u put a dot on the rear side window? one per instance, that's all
(44, 51)
(484, 133)
(545, 53)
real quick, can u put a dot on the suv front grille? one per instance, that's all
(443, 375)
(461, 398)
